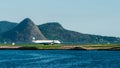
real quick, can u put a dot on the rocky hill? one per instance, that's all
(23, 32)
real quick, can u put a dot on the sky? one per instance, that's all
(98, 17)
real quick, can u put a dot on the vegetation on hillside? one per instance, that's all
(6, 26)
(54, 30)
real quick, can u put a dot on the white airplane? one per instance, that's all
(46, 41)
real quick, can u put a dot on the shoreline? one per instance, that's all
(61, 48)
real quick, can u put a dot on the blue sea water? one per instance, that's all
(59, 59)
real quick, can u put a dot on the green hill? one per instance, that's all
(54, 30)
(6, 25)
